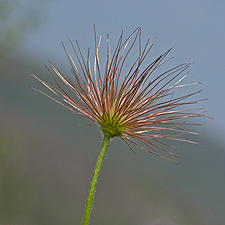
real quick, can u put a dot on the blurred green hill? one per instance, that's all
(46, 162)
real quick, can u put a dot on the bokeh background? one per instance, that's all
(46, 158)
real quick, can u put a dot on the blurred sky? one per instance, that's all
(195, 30)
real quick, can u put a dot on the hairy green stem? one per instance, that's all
(94, 181)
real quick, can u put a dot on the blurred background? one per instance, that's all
(47, 159)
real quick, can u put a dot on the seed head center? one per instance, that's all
(111, 126)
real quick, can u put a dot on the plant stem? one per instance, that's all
(94, 181)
